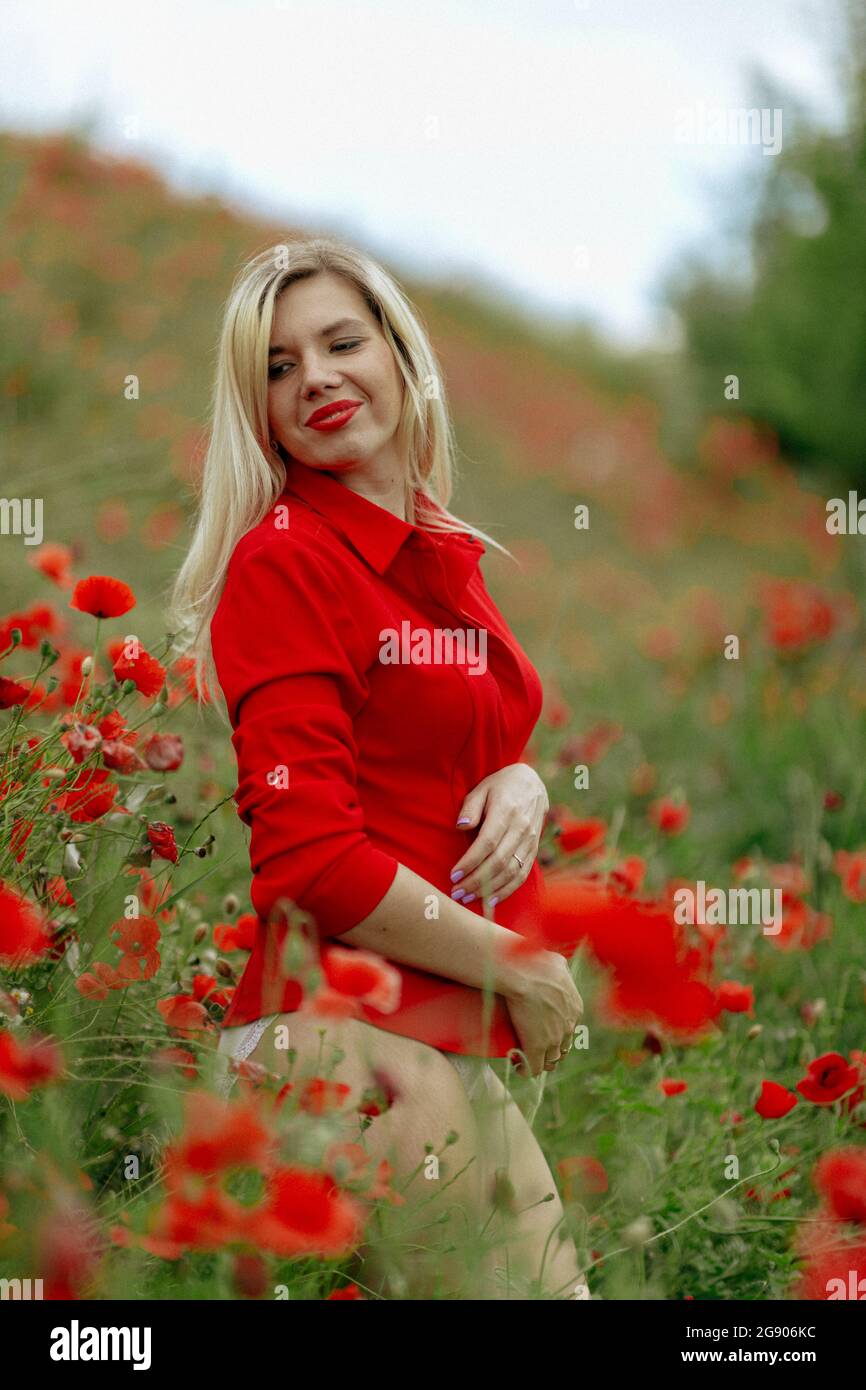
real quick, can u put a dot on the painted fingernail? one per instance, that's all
(464, 820)
(493, 901)
(456, 875)
(457, 892)
(470, 898)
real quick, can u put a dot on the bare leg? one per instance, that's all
(462, 1233)
(536, 1256)
(428, 1246)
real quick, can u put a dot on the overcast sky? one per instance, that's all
(531, 144)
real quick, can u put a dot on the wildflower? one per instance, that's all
(24, 932)
(828, 1078)
(26, 1063)
(774, 1101)
(12, 693)
(161, 837)
(163, 752)
(145, 672)
(668, 816)
(102, 596)
(840, 1176)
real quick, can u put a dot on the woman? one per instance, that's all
(380, 705)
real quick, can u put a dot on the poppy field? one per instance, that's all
(701, 636)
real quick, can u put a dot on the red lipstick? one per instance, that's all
(334, 415)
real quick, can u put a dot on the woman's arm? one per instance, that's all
(542, 1000)
(459, 944)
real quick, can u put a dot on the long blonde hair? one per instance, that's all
(243, 476)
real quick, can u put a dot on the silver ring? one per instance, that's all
(519, 860)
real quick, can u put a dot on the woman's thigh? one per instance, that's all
(427, 1132)
(534, 1253)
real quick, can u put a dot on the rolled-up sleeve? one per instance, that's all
(291, 660)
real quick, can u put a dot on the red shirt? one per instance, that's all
(378, 756)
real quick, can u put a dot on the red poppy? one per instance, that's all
(217, 1137)
(556, 712)
(26, 1063)
(851, 869)
(136, 936)
(581, 1174)
(206, 1220)
(183, 1014)
(40, 620)
(828, 1078)
(95, 983)
(54, 562)
(102, 596)
(164, 752)
(161, 837)
(834, 1266)
(68, 1247)
(25, 934)
(237, 936)
(796, 614)
(670, 1087)
(320, 1095)
(81, 740)
(90, 796)
(583, 835)
(145, 672)
(657, 980)
(774, 1102)
(628, 875)
(57, 889)
(347, 1292)
(802, 926)
(305, 1213)
(132, 968)
(591, 747)
(840, 1176)
(12, 693)
(152, 896)
(669, 816)
(120, 756)
(168, 1057)
(362, 975)
(735, 998)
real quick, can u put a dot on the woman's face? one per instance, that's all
(326, 347)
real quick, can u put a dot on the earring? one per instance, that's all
(274, 445)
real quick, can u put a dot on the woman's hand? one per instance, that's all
(513, 804)
(545, 1009)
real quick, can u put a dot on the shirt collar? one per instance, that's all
(375, 533)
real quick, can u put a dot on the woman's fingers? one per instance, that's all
(499, 874)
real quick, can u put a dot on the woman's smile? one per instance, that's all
(334, 415)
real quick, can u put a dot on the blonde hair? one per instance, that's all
(243, 475)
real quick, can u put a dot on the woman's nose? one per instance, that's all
(318, 376)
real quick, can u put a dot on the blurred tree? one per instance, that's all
(794, 329)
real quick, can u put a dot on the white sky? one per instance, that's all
(525, 144)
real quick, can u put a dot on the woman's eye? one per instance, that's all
(276, 370)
